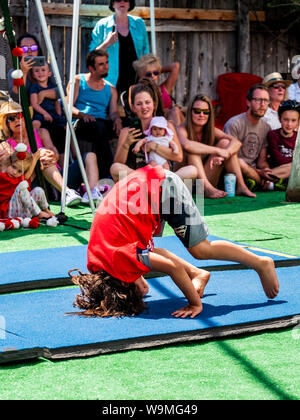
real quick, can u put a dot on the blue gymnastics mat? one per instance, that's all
(35, 324)
(44, 268)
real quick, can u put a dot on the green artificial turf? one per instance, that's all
(262, 366)
(259, 366)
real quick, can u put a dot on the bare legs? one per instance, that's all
(223, 250)
(211, 173)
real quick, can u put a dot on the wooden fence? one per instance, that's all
(207, 37)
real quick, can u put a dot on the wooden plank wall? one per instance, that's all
(205, 49)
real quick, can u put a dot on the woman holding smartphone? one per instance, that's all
(31, 48)
(125, 39)
(144, 102)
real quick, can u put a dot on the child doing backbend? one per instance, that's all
(15, 198)
(121, 249)
(161, 134)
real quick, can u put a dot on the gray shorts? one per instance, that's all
(178, 208)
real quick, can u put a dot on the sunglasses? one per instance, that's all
(278, 86)
(261, 101)
(152, 73)
(199, 111)
(31, 48)
(12, 118)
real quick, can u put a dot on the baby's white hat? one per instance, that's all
(160, 122)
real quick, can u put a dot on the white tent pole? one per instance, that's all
(73, 61)
(64, 103)
(152, 20)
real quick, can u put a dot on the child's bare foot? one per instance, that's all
(268, 277)
(200, 281)
(214, 193)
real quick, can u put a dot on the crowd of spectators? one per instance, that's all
(256, 145)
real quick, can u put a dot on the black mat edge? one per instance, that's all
(140, 343)
(66, 281)
(172, 338)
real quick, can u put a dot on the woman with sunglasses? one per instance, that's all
(209, 149)
(149, 66)
(31, 48)
(125, 39)
(277, 88)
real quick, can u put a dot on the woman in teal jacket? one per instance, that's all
(125, 39)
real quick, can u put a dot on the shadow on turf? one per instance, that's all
(240, 204)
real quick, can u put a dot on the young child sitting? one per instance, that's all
(48, 113)
(161, 134)
(281, 142)
(15, 198)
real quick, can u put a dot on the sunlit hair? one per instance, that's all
(145, 61)
(208, 136)
(146, 85)
(105, 296)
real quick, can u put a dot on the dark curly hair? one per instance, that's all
(104, 296)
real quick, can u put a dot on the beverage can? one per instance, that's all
(230, 182)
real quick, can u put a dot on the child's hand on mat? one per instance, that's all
(188, 310)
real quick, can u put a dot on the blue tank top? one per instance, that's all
(93, 102)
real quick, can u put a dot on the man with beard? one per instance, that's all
(95, 108)
(252, 131)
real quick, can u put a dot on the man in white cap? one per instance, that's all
(294, 89)
(277, 87)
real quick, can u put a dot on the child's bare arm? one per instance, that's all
(174, 147)
(57, 107)
(36, 106)
(171, 265)
(35, 158)
(139, 145)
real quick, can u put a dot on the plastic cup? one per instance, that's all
(229, 182)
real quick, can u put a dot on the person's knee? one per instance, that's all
(90, 158)
(201, 251)
(38, 191)
(192, 171)
(223, 143)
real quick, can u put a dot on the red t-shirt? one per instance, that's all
(125, 223)
(281, 148)
(7, 189)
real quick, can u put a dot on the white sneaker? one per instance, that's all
(96, 196)
(72, 198)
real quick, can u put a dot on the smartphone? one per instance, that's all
(37, 61)
(136, 123)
